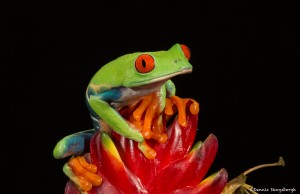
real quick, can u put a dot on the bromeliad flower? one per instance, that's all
(179, 166)
(143, 136)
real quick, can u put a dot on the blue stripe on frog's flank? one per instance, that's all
(74, 144)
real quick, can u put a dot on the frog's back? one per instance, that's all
(112, 74)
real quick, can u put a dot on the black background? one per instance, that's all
(244, 56)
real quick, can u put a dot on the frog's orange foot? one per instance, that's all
(83, 174)
(181, 105)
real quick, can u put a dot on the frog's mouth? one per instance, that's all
(158, 81)
(137, 91)
(134, 93)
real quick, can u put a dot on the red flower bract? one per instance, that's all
(179, 167)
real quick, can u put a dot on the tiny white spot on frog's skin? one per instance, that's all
(130, 73)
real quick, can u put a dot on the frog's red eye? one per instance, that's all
(186, 51)
(144, 63)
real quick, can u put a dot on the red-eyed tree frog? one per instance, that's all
(121, 82)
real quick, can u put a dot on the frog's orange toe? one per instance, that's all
(84, 184)
(85, 172)
(160, 137)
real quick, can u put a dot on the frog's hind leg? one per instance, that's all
(74, 144)
(83, 174)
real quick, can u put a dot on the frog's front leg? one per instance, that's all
(114, 119)
(99, 104)
(170, 88)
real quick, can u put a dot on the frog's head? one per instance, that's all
(154, 67)
(143, 69)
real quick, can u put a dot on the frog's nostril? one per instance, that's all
(186, 51)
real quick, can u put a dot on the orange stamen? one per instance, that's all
(138, 124)
(147, 150)
(137, 114)
(150, 113)
(160, 137)
(158, 126)
(147, 117)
